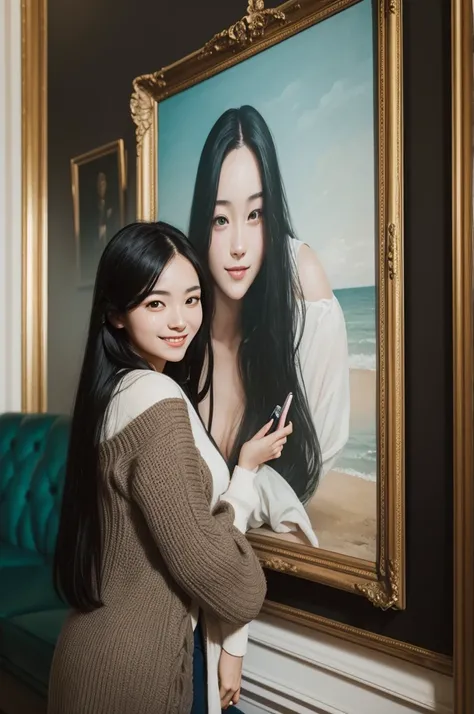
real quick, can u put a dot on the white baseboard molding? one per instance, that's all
(290, 669)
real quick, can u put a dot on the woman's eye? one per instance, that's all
(193, 300)
(155, 304)
(255, 215)
(220, 221)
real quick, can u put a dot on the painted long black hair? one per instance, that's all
(273, 310)
(128, 270)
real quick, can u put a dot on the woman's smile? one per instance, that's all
(175, 341)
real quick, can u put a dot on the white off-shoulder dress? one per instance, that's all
(323, 362)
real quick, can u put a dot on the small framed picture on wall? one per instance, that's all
(98, 192)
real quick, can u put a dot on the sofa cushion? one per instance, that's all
(27, 644)
(28, 589)
(13, 555)
(33, 451)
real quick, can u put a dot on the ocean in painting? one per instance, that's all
(359, 457)
(358, 305)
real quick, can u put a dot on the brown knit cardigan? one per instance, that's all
(162, 549)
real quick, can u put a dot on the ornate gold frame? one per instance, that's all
(383, 583)
(462, 46)
(34, 203)
(112, 147)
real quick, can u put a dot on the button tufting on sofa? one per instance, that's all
(33, 451)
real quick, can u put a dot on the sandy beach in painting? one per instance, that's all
(343, 510)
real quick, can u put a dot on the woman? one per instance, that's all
(277, 326)
(140, 554)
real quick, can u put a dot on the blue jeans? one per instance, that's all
(200, 677)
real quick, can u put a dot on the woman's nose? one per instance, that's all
(237, 246)
(238, 252)
(177, 322)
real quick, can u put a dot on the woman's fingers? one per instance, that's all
(227, 698)
(286, 431)
(280, 434)
(261, 433)
(278, 444)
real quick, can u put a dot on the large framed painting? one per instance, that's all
(277, 147)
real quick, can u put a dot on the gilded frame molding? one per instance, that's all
(462, 46)
(34, 203)
(382, 582)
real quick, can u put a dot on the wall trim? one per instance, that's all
(10, 205)
(386, 645)
(34, 203)
(291, 669)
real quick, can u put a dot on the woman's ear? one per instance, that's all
(116, 320)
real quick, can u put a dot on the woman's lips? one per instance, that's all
(237, 273)
(175, 341)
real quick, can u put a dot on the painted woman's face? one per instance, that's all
(164, 325)
(237, 244)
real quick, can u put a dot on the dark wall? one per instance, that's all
(96, 48)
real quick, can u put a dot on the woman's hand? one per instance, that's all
(262, 448)
(230, 676)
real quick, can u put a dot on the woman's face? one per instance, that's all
(237, 247)
(163, 326)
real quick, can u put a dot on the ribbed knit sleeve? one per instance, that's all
(206, 555)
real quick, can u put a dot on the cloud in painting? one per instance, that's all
(341, 94)
(289, 95)
(295, 99)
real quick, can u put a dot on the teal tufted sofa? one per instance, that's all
(33, 451)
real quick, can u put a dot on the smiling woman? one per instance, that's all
(150, 524)
(165, 323)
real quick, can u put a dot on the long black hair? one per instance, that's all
(273, 310)
(128, 270)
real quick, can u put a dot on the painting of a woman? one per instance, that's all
(273, 175)
(277, 327)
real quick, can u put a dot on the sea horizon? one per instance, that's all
(359, 308)
(359, 457)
